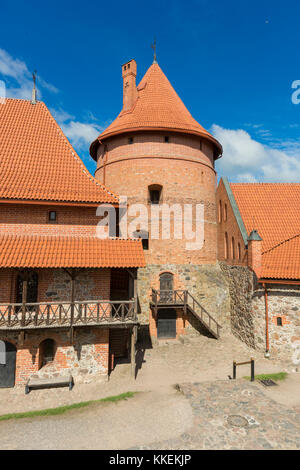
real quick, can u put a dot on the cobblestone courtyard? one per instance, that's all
(235, 415)
(191, 415)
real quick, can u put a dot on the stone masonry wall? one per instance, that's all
(206, 283)
(240, 280)
(284, 303)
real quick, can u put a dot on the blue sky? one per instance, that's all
(232, 63)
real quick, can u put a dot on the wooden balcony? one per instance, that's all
(67, 314)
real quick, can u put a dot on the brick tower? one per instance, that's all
(156, 153)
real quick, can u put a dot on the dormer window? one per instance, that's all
(52, 216)
(155, 192)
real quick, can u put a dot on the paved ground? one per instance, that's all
(203, 359)
(194, 417)
(235, 415)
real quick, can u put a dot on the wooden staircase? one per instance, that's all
(184, 299)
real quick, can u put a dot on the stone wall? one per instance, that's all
(240, 281)
(283, 303)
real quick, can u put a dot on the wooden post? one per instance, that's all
(72, 305)
(135, 295)
(24, 300)
(234, 370)
(133, 340)
(252, 369)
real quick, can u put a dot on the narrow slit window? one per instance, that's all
(279, 321)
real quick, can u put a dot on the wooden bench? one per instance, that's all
(62, 381)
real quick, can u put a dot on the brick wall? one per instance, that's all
(183, 167)
(227, 224)
(86, 358)
(55, 285)
(33, 218)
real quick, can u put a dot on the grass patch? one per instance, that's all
(63, 409)
(275, 377)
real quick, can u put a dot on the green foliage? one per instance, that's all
(275, 377)
(63, 409)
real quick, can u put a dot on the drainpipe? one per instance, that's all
(267, 353)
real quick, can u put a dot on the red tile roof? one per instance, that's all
(158, 107)
(37, 161)
(282, 261)
(273, 209)
(41, 251)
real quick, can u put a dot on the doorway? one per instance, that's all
(32, 287)
(166, 323)
(8, 354)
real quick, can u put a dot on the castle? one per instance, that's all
(70, 300)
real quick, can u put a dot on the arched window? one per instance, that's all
(232, 248)
(239, 251)
(46, 351)
(226, 245)
(225, 212)
(155, 193)
(220, 212)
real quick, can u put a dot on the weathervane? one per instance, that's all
(33, 101)
(153, 46)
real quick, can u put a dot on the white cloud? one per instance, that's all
(80, 134)
(246, 160)
(18, 79)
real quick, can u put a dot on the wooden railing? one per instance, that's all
(184, 299)
(66, 314)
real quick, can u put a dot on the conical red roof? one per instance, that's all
(158, 107)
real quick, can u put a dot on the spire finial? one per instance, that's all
(153, 46)
(33, 101)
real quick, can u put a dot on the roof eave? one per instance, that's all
(106, 135)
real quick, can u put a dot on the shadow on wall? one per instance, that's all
(197, 325)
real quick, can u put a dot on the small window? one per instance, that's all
(144, 236)
(279, 321)
(155, 194)
(130, 140)
(167, 140)
(52, 216)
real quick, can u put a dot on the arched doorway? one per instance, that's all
(166, 323)
(47, 351)
(166, 286)
(8, 353)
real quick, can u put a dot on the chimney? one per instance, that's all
(254, 252)
(129, 86)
